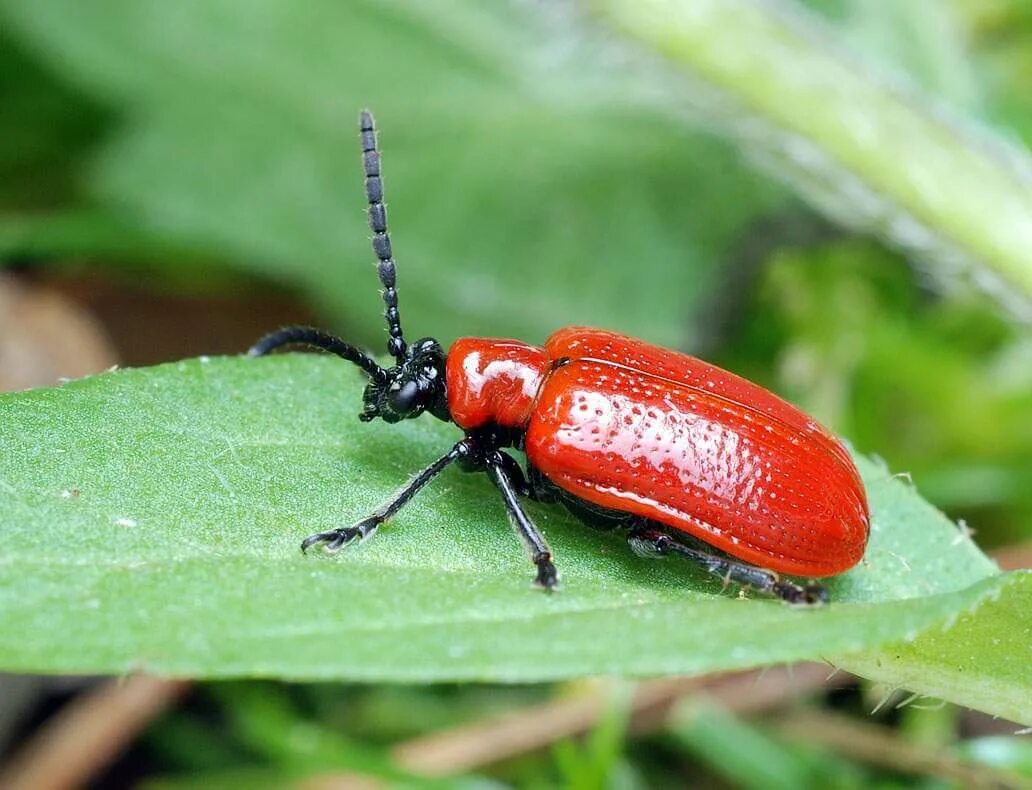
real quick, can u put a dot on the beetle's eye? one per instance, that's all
(404, 399)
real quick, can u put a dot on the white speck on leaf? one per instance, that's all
(964, 531)
(905, 477)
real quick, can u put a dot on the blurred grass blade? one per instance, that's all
(867, 149)
(595, 761)
(740, 753)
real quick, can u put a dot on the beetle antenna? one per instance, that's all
(316, 338)
(381, 241)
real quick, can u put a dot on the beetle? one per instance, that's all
(676, 451)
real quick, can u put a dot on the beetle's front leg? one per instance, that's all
(336, 539)
(532, 539)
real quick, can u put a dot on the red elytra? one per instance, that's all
(623, 433)
(641, 429)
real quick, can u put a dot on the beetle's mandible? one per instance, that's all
(625, 434)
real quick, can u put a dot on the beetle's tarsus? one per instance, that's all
(339, 538)
(547, 576)
(647, 540)
(805, 595)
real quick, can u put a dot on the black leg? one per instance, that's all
(515, 474)
(498, 464)
(336, 539)
(649, 541)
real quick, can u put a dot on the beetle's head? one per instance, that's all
(415, 385)
(416, 382)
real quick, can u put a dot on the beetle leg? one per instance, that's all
(516, 476)
(528, 533)
(650, 541)
(336, 539)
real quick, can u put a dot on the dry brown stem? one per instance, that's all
(76, 743)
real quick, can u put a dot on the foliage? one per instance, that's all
(864, 151)
(529, 151)
(227, 149)
(153, 518)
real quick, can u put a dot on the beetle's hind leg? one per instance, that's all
(649, 541)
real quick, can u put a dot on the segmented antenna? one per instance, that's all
(316, 338)
(381, 241)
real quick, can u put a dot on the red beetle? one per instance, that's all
(623, 433)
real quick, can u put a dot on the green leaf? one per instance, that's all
(979, 658)
(511, 165)
(151, 520)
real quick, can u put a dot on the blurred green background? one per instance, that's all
(187, 173)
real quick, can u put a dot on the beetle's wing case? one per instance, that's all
(693, 373)
(646, 430)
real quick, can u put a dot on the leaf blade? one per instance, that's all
(152, 519)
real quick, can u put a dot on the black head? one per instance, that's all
(416, 382)
(410, 388)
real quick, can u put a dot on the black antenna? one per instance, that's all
(316, 338)
(381, 241)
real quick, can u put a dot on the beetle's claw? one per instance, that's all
(339, 538)
(311, 540)
(547, 576)
(335, 539)
(815, 594)
(807, 595)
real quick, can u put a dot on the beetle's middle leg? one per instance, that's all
(499, 466)
(649, 541)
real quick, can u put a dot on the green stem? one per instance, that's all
(875, 154)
